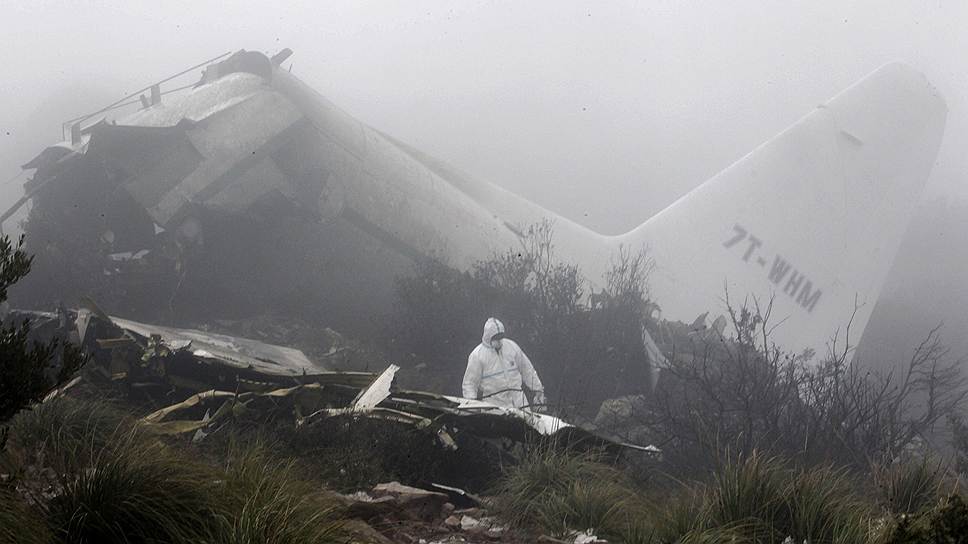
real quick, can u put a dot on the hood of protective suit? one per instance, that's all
(491, 327)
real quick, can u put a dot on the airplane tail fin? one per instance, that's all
(811, 219)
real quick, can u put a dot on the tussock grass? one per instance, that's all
(639, 531)
(136, 490)
(909, 488)
(268, 503)
(64, 432)
(750, 491)
(764, 500)
(755, 499)
(553, 486)
(823, 508)
(685, 513)
(582, 505)
(563, 491)
(95, 477)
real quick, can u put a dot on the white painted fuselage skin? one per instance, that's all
(811, 219)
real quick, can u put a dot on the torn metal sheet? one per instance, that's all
(191, 402)
(378, 391)
(243, 352)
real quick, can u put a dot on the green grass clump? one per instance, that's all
(563, 491)
(755, 499)
(91, 476)
(639, 530)
(684, 513)
(64, 432)
(136, 490)
(751, 492)
(581, 505)
(760, 499)
(139, 490)
(909, 488)
(268, 503)
(823, 508)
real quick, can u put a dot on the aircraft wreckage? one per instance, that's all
(215, 378)
(287, 197)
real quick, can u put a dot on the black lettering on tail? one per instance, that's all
(808, 298)
(779, 269)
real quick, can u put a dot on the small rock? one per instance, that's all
(468, 523)
(447, 508)
(494, 534)
(453, 522)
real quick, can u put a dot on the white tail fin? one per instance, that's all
(813, 217)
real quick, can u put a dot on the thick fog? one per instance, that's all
(605, 113)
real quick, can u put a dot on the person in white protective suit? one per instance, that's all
(498, 371)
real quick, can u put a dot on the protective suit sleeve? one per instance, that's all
(472, 378)
(528, 375)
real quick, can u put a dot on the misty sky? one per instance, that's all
(605, 113)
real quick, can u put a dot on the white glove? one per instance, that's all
(538, 401)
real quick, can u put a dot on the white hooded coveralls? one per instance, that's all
(498, 376)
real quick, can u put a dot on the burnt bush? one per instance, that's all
(744, 393)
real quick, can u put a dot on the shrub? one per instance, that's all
(946, 523)
(744, 393)
(28, 370)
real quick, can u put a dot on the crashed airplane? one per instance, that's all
(206, 380)
(811, 219)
